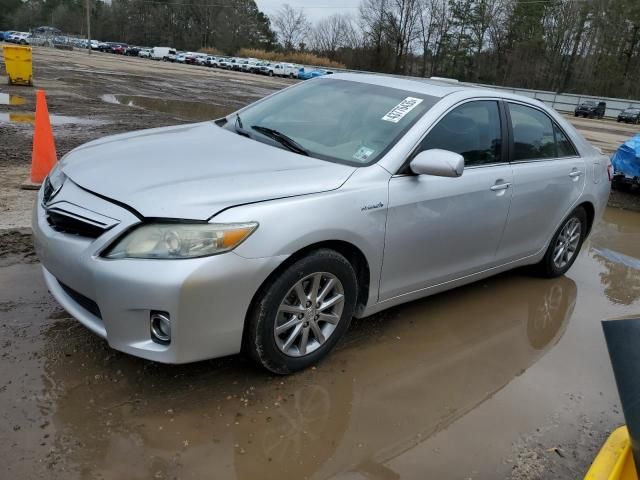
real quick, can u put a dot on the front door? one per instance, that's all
(440, 229)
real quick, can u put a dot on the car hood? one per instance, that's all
(194, 171)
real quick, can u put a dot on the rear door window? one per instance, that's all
(564, 145)
(533, 134)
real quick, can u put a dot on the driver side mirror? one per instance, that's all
(440, 163)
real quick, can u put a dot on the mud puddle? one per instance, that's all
(29, 117)
(509, 371)
(7, 99)
(186, 110)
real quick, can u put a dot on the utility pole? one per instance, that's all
(88, 7)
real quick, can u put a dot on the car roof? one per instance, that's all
(433, 87)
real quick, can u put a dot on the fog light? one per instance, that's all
(160, 327)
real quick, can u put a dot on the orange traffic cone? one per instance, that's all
(43, 156)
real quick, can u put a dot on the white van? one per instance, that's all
(162, 53)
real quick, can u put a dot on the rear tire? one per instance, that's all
(284, 335)
(564, 246)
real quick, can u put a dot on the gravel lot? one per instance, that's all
(505, 378)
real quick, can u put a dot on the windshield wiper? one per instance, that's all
(282, 139)
(238, 127)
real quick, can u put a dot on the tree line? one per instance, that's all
(577, 46)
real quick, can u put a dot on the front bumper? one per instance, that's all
(207, 298)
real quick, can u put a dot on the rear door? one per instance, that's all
(440, 229)
(548, 177)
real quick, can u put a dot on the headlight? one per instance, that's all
(56, 177)
(181, 240)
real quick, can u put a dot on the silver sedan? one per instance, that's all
(268, 230)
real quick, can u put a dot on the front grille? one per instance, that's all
(85, 302)
(73, 225)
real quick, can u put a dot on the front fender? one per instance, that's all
(356, 213)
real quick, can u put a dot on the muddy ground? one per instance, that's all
(93, 96)
(505, 378)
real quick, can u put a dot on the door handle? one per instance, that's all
(500, 186)
(575, 174)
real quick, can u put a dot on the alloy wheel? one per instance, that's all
(567, 243)
(309, 314)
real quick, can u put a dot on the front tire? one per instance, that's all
(565, 245)
(298, 317)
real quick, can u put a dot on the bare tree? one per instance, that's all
(373, 23)
(331, 34)
(292, 26)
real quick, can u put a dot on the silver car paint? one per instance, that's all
(208, 298)
(194, 171)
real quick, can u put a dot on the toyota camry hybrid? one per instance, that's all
(266, 231)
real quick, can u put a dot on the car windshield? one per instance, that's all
(337, 120)
(632, 111)
(589, 104)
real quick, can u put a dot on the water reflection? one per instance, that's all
(8, 99)
(399, 377)
(187, 110)
(616, 247)
(18, 117)
(621, 277)
(29, 117)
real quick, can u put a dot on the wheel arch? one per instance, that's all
(591, 214)
(352, 253)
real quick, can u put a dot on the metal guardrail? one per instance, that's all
(566, 102)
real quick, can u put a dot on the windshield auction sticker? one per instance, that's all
(398, 112)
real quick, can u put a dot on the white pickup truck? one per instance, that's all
(286, 70)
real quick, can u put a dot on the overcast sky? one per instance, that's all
(315, 9)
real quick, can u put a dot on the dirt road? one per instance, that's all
(505, 378)
(93, 96)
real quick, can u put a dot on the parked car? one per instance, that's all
(218, 61)
(306, 75)
(590, 109)
(249, 64)
(182, 261)
(190, 57)
(163, 53)
(181, 57)
(145, 53)
(261, 67)
(119, 48)
(21, 38)
(109, 47)
(228, 63)
(209, 61)
(133, 51)
(200, 59)
(195, 58)
(237, 65)
(286, 70)
(629, 115)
